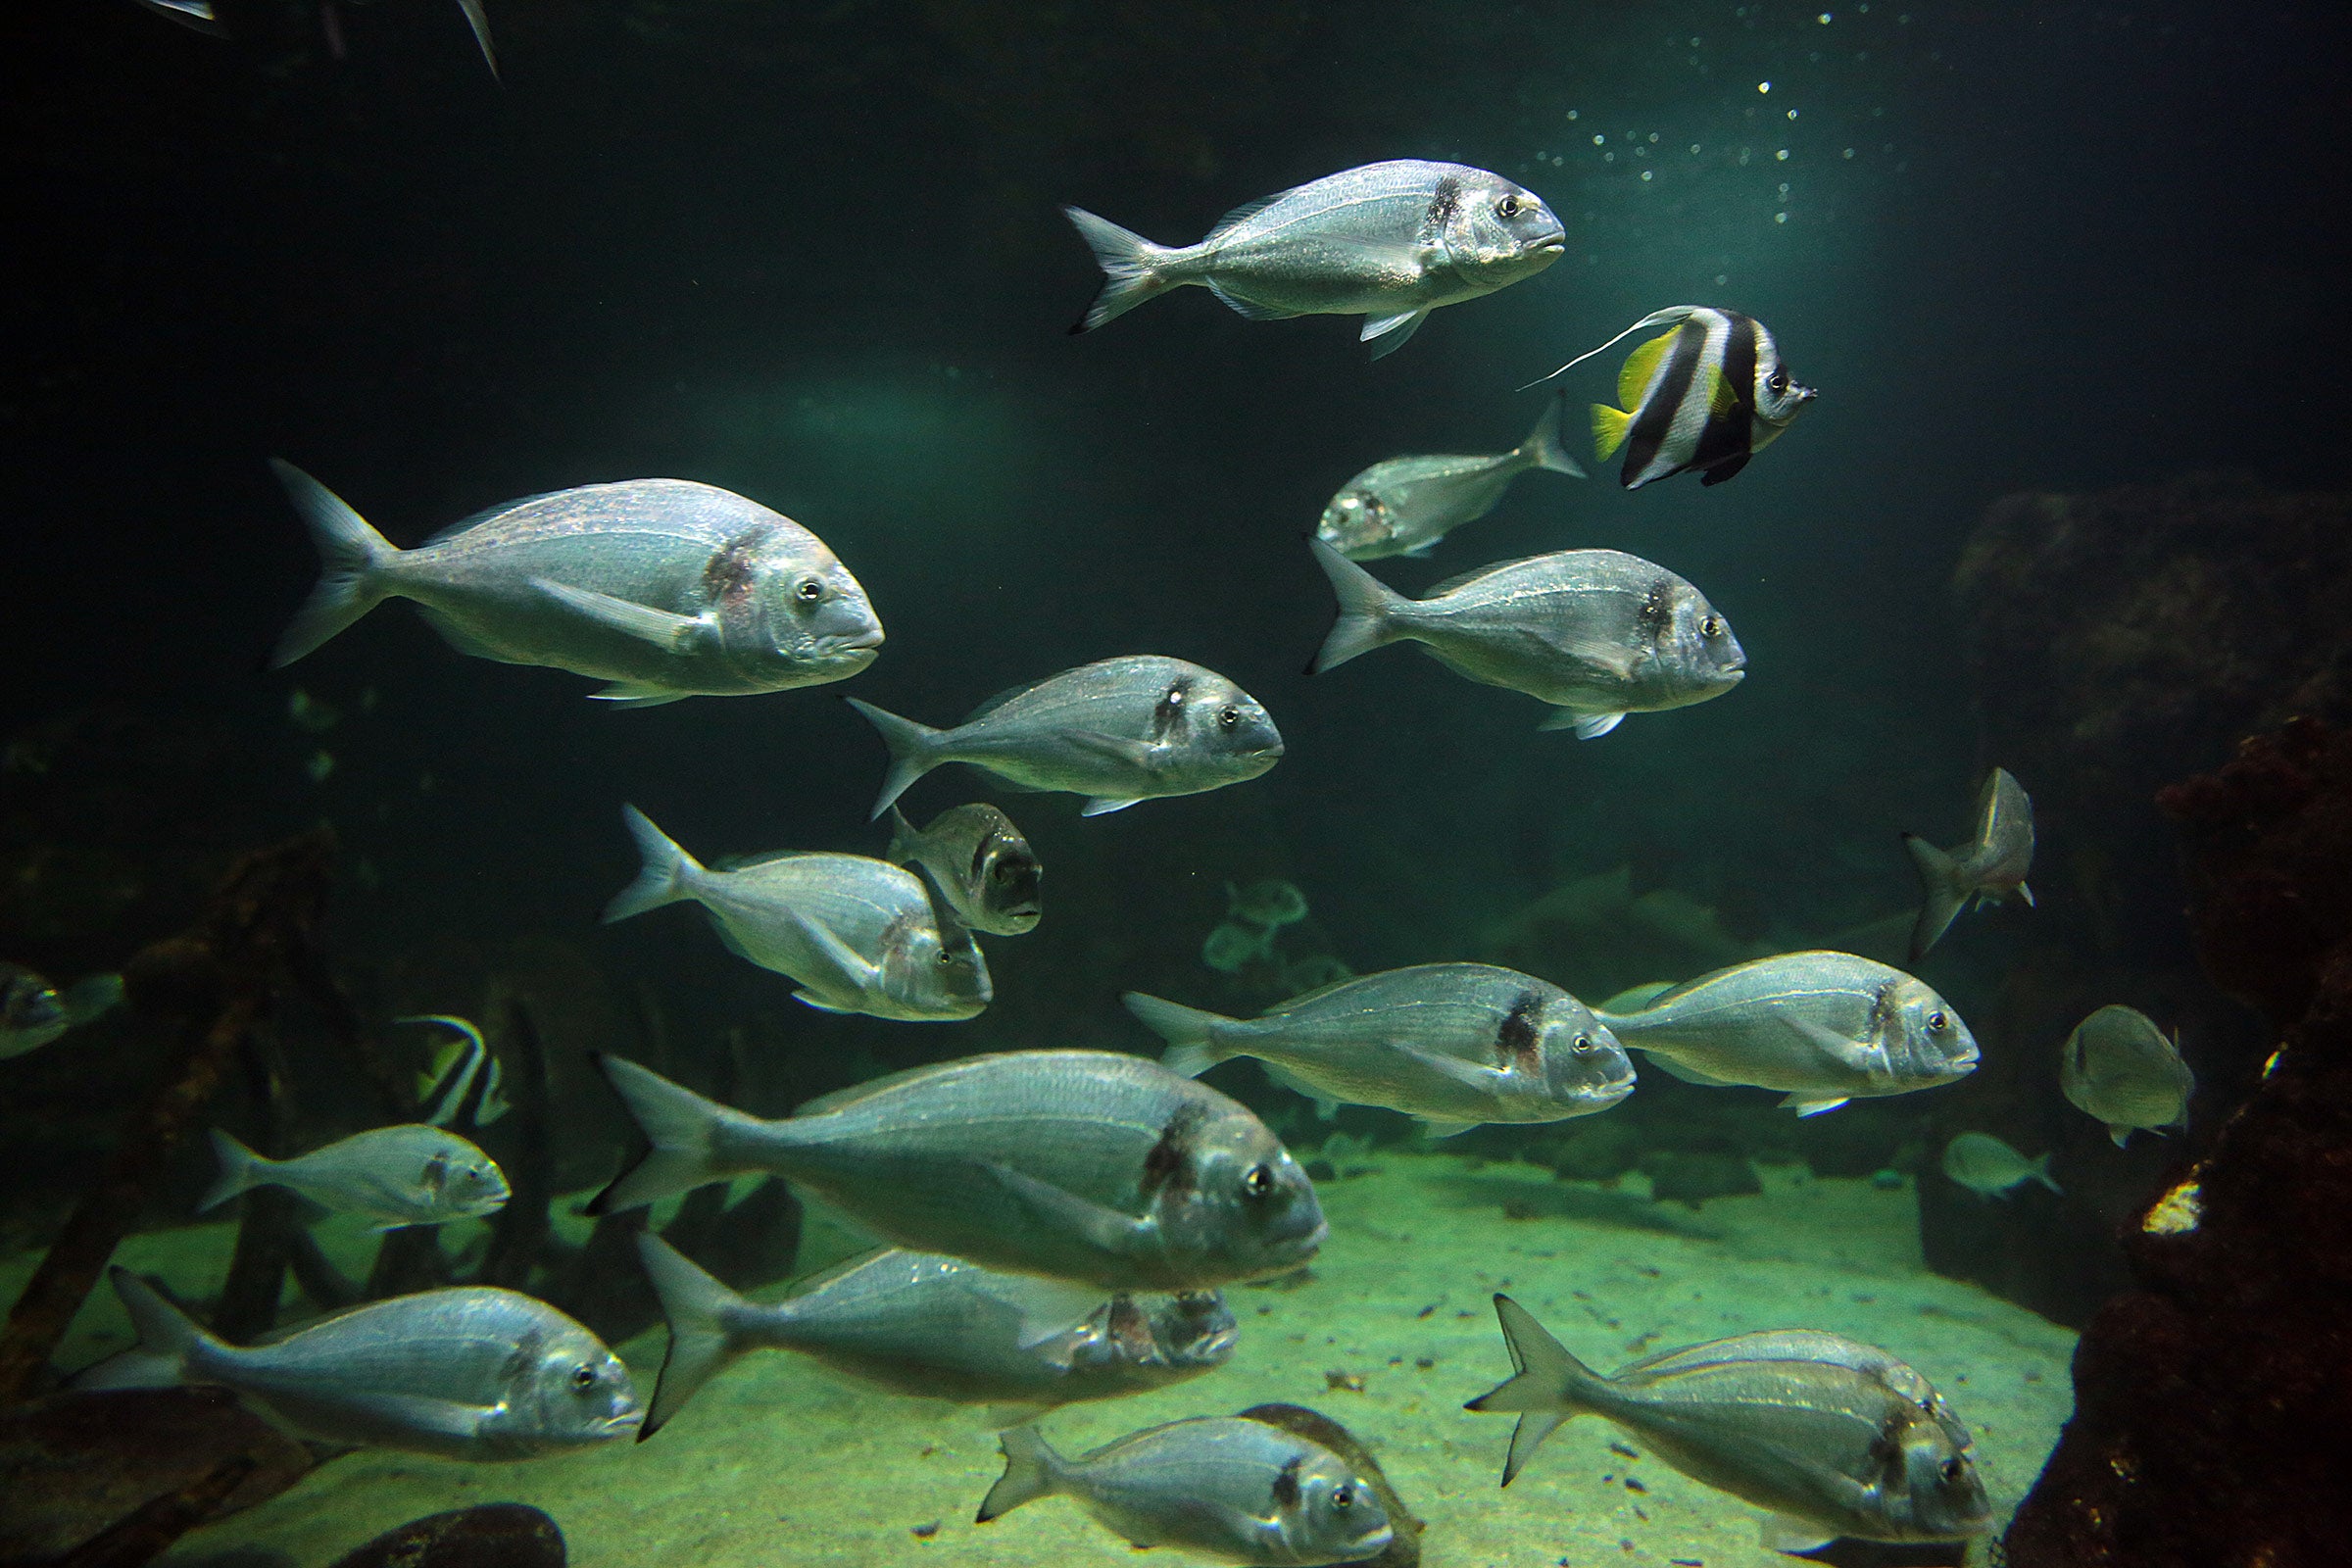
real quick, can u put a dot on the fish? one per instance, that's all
(1390, 242)
(2119, 1067)
(197, 15)
(979, 859)
(465, 1372)
(1988, 1167)
(34, 1012)
(1991, 866)
(860, 935)
(1404, 1550)
(1455, 1044)
(1082, 1165)
(934, 1327)
(1597, 633)
(1225, 1486)
(1120, 730)
(395, 1176)
(1824, 1433)
(664, 588)
(446, 1093)
(1820, 1027)
(1403, 506)
(1704, 397)
(1269, 904)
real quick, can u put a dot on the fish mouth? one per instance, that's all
(619, 1426)
(1553, 244)
(1213, 1348)
(865, 642)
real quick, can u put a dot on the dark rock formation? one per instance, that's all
(495, 1535)
(2210, 1401)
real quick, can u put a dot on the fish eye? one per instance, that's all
(1343, 1497)
(1508, 206)
(1777, 382)
(1937, 1021)
(583, 1377)
(1229, 717)
(1953, 1469)
(1584, 1043)
(1258, 1180)
(946, 958)
(810, 590)
(1712, 626)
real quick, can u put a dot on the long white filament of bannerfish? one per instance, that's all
(1672, 314)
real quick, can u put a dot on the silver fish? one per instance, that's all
(1830, 1439)
(1455, 1044)
(1705, 398)
(1403, 506)
(197, 15)
(980, 860)
(1820, 1027)
(665, 588)
(1390, 242)
(860, 935)
(35, 1014)
(1118, 731)
(413, 1175)
(1991, 866)
(468, 1372)
(1988, 1167)
(1237, 1490)
(939, 1328)
(1595, 633)
(1081, 1165)
(2119, 1067)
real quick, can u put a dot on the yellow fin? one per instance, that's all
(1608, 429)
(1724, 400)
(1641, 367)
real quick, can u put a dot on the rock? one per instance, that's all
(1692, 1176)
(2210, 1399)
(1597, 1151)
(495, 1535)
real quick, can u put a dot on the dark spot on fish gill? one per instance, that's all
(1131, 1329)
(1168, 1166)
(1170, 712)
(1444, 203)
(525, 1357)
(1656, 614)
(1286, 1482)
(728, 574)
(1517, 1043)
(1881, 1010)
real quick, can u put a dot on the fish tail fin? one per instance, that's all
(1609, 426)
(1130, 268)
(86, 999)
(681, 1125)
(910, 746)
(1032, 1470)
(1548, 1385)
(350, 558)
(1947, 891)
(241, 1171)
(2039, 1170)
(667, 876)
(700, 1344)
(901, 837)
(1191, 1033)
(1544, 446)
(479, 21)
(1367, 609)
(169, 1338)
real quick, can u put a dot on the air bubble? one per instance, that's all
(1780, 218)
(1646, 176)
(1781, 155)
(1599, 139)
(1763, 86)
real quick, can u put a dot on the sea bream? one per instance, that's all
(1822, 1028)
(1990, 1167)
(1403, 506)
(860, 935)
(1390, 242)
(1237, 1490)
(395, 1176)
(1120, 730)
(1991, 868)
(1455, 1044)
(2119, 1067)
(465, 1372)
(1083, 1165)
(979, 860)
(1829, 1435)
(932, 1327)
(34, 1012)
(1597, 633)
(664, 588)
(1704, 397)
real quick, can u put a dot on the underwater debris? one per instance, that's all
(1269, 904)
(1230, 947)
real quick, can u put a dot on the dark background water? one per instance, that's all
(812, 252)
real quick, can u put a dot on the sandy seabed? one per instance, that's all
(779, 1461)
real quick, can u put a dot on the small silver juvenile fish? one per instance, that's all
(1828, 1434)
(1820, 1027)
(1991, 866)
(938, 1328)
(1120, 730)
(980, 860)
(467, 1372)
(1457, 1044)
(665, 588)
(413, 1175)
(1403, 506)
(2119, 1067)
(1229, 1487)
(35, 1014)
(860, 935)
(1597, 633)
(1083, 1165)
(1988, 1167)
(1390, 242)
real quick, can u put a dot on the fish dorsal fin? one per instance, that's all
(1306, 996)
(989, 704)
(840, 1099)
(809, 1284)
(1242, 215)
(745, 862)
(1641, 369)
(486, 515)
(1723, 399)
(1465, 579)
(1672, 314)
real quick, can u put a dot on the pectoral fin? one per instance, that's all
(636, 694)
(857, 974)
(1104, 805)
(1786, 1533)
(1806, 1104)
(1587, 726)
(1389, 333)
(1444, 1129)
(1103, 1228)
(671, 633)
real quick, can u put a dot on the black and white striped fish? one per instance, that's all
(1707, 395)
